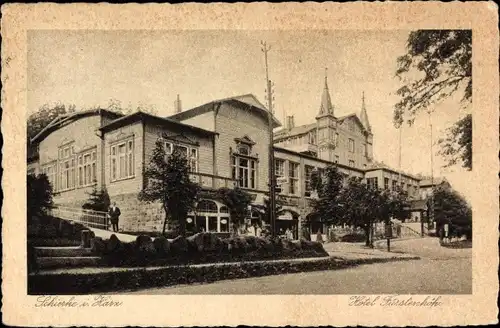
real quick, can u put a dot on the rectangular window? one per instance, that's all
(386, 183)
(366, 150)
(352, 163)
(336, 159)
(169, 148)
(351, 145)
(67, 168)
(308, 173)
(122, 161)
(190, 153)
(372, 183)
(293, 177)
(394, 184)
(336, 140)
(244, 171)
(279, 167)
(193, 160)
(87, 164)
(312, 138)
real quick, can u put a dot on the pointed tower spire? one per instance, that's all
(326, 107)
(364, 115)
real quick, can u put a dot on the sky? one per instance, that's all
(88, 68)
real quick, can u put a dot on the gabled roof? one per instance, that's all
(355, 117)
(247, 99)
(245, 139)
(71, 117)
(295, 131)
(141, 116)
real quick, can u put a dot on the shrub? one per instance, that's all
(98, 245)
(113, 245)
(39, 195)
(179, 245)
(201, 248)
(162, 245)
(145, 245)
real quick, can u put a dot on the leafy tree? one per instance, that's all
(46, 114)
(329, 187)
(237, 200)
(457, 146)
(451, 207)
(39, 195)
(360, 206)
(98, 200)
(167, 181)
(393, 204)
(437, 65)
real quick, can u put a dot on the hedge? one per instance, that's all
(87, 283)
(199, 248)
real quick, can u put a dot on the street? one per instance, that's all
(440, 271)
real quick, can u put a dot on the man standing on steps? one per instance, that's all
(114, 215)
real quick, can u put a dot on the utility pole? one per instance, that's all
(272, 178)
(431, 212)
(400, 151)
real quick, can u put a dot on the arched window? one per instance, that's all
(255, 215)
(224, 209)
(207, 206)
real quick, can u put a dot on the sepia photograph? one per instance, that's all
(262, 162)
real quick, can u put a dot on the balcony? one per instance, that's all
(209, 181)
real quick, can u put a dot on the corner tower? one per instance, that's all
(326, 125)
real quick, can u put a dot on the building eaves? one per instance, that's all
(139, 116)
(285, 150)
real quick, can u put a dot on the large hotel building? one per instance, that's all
(227, 144)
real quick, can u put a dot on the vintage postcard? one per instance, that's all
(258, 164)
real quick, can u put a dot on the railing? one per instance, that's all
(89, 218)
(408, 232)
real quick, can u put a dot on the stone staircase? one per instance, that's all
(64, 257)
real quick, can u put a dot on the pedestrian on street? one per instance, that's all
(114, 215)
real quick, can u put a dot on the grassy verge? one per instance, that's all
(123, 280)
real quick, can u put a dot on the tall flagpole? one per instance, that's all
(272, 179)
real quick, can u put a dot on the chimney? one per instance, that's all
(290, 124)
(178, 105)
